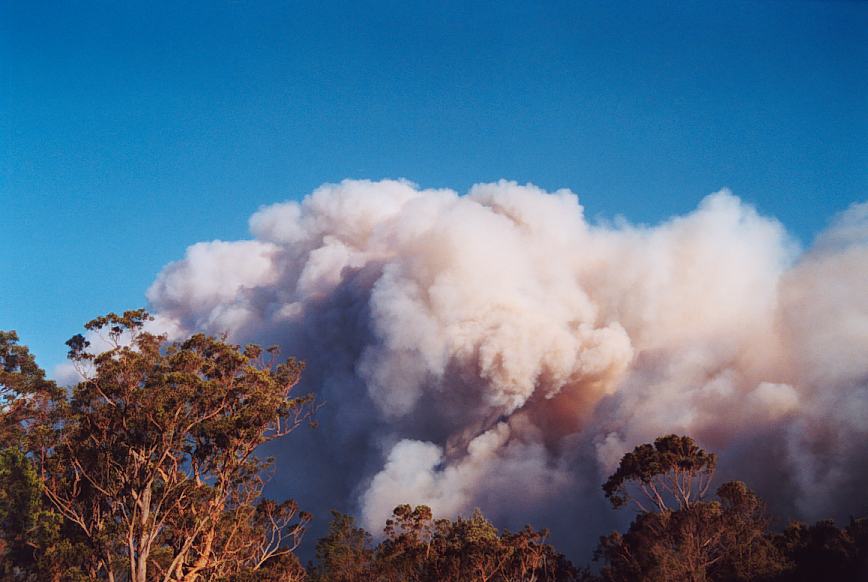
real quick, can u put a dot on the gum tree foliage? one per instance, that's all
(19, 507)
(33, 542)
(671, 473)
(418, 548)
(345, 553)
(148, 464)
(824, 551)
(683, 537)
(27, 397)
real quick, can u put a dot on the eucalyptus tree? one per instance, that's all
(419, 548)
(155, 458)
(679, 534)
(672, 473)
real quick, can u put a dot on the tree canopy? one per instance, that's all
(672, 472)
(151, 466)
(418, 548)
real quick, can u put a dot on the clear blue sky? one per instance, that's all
(130, 130)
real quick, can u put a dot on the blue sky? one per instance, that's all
(130, 130)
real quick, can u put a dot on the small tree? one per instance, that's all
(823, 551)
(19, 509)
(419, 548)
(408, 544)
(155, 458)
(27, 397)
(468, 548)
(345, 553)
(32, 541)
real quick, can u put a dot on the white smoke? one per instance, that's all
(471, 347)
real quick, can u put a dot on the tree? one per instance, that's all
(345, 553)
(824, 551)
(407, 547)
(471, 547)
(419, 548)
(671, 473)
(31, 547)
(749, 551)
(532, 558)
(27, 397)
(19, 507)
(154, 462)
(684, 537)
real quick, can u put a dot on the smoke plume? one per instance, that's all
(495, 349)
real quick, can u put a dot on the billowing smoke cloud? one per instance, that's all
(498, 350)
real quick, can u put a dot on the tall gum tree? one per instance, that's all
(155, 458)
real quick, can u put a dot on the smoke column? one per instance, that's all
(495, 349)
